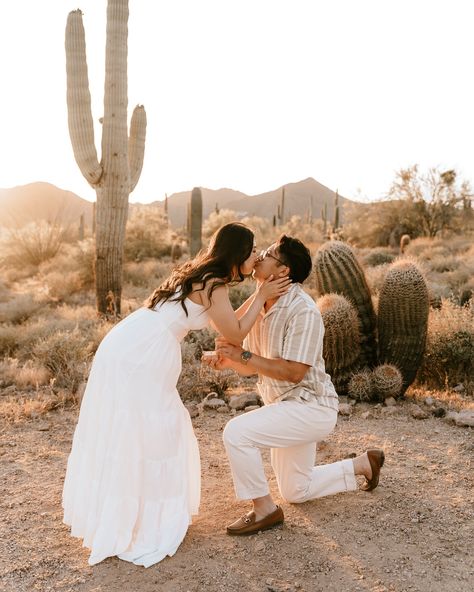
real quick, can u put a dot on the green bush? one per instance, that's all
(449, 354)
(147, 235)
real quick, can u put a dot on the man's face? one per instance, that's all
(269, 263)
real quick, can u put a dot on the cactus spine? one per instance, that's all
(337, 270)
(403, 319)
(118, 171)
(341, 346)
(195, 221)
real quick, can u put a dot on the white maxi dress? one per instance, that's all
(133, 476)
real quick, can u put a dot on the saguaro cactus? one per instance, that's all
(341, 346)
(403, 319)
(195, 221)
(337, 270)
(118, 171)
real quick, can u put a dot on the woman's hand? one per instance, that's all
(273, 288)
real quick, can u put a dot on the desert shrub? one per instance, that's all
(378, 256)
(449, 354)
(23, 376)
(147, 234)
(375, 276)
(65, 355)
(197, 380)
(34, 243)
(8, 339)
(20, 308)
(239, 293)
(217, 219)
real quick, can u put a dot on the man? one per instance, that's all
(285, 348)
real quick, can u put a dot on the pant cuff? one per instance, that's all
(349, 475)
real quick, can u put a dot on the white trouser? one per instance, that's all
(290, 429)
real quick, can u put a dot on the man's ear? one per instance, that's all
(285, 271)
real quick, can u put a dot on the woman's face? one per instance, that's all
(247, 266)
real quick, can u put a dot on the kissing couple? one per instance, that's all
(133, 476)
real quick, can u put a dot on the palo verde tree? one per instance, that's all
(433, 201)
(118, 171)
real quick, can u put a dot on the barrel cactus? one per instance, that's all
(341, 347)
(337, 270)
(195, 221)
(403, 319)
(361, 386)
(387, 380)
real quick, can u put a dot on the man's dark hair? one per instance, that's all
(298, 258)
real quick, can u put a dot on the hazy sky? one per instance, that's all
(250, 94)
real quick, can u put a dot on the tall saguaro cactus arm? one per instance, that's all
(81, 127)
(136, 144)
(118, 171)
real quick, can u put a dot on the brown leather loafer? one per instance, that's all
(248, 525)
(376, 459)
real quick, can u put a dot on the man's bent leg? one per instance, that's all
(280, 425)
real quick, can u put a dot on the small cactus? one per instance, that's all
(361, 386)
(341, 347)
(337, 270)
(403, 319)
(404, 242)
(176, 251)
(195, 222)
(387, 381)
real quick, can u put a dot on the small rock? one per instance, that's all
(429, 401)
(223, 409)
(239, 402)
(345, 409)
(43, 426)
(418, 413)
(451, 416)
(439, 412)
(388, 411)
(213, 403)
(193, 410)
(367, 415)
(251, 408)
(459, 388)
(390, 402)
(465, 418)
(259, 547)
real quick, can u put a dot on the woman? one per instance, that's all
(133, 475)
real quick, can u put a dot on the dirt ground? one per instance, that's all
(413, 533)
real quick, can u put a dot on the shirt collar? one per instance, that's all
(285, 300)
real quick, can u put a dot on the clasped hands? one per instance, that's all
(225, 353)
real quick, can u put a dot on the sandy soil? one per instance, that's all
(413, 533)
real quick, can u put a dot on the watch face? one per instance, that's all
(246, 355)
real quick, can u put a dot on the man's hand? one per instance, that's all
(215, 361)
(226, 350)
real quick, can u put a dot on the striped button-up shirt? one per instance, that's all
(293, 329)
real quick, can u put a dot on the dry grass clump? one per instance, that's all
(21, 308)
(31, 374)
(17, 408)
(449, 355)
(66, 356)
(197, 380)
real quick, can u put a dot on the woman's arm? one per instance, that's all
(224, 318)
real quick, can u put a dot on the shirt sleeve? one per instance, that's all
(303, 340)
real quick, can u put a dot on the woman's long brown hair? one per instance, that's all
(229, 247)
